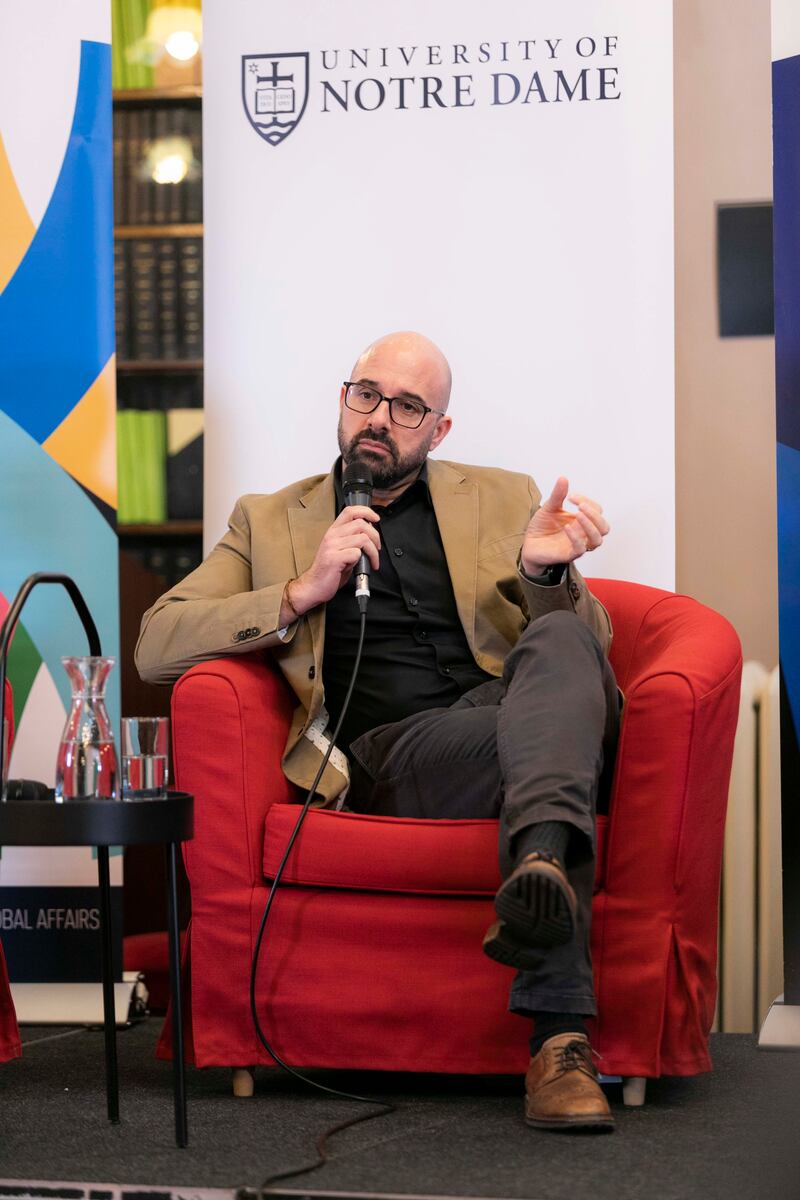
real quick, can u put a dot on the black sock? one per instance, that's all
(547, 835)
(549, 1024)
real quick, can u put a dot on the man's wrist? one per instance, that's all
(291, 607)
(548, 573)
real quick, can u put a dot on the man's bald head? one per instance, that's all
(398, 366)
(409, 353)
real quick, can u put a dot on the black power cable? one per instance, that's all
(385, 1107)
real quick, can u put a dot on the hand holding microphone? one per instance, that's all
(351, 543)
(357, 488)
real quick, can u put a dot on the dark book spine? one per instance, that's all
(144, 183)
(168, 326)
(193, 184)
(120, 183)
(133, 161)
(121, 298)
(162, 192)
(144, 299)
(182, 148)
(190, 279)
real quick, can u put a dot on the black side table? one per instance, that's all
(104, 823)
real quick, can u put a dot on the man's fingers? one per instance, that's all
(592, 534)
(355, 512)
(368, 546)
(577, 498)
(555, 500)
(345, 535)
(577, 536)
(592, 509)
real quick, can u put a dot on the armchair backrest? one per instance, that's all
(657, 631)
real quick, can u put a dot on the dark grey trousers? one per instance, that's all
(536, 745)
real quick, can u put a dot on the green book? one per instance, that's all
(125, 510)
(138, 508)
(117, 61)
(153, 465)
(138, 12)
(125, 67)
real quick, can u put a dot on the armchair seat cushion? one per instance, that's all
(388, 854)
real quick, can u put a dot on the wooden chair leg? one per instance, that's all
(633, 1090)
(243, 1081)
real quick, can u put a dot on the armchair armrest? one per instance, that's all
(230, 719)
(681, 676)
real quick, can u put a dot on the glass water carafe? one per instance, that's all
(87, 768)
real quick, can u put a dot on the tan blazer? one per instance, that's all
(231, 603)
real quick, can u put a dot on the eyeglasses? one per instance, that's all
(362, 398)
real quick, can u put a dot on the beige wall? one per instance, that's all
(725, 388)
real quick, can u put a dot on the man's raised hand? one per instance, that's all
(555, 535)
(352, 533)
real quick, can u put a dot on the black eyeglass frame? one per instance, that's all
(390, 400)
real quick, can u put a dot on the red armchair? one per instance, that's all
(9, 1033)
(373, 956)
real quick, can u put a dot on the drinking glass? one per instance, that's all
(145, 751)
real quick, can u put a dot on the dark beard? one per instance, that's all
(386, 473)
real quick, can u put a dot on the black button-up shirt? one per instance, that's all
(416, 655)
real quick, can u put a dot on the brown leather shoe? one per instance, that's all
(561, 1087)
(537, 902)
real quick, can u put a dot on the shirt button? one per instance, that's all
(398, 551)
(312, 672)
(413, 601)
(575, 591)
(423, 633)
(446, 670)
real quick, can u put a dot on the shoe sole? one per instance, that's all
(508, 953)
(537, 905)
(566, 1124)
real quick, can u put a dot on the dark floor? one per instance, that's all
(734, 1134)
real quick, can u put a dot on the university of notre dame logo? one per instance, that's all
(274, 93)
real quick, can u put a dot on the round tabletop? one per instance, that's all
(134, 822)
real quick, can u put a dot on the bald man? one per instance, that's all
(484, 688)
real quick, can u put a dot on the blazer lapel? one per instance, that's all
(307, 527)
(308, 523)
(455, 502)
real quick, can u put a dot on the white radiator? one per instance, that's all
(750, 933)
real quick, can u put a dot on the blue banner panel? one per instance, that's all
(786, 157)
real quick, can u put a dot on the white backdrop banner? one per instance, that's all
(499, 178)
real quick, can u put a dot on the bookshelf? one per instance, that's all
(158, 95)
(160, 366)
(170, 529)
(148, 231)
(155, 96)
(158, 235)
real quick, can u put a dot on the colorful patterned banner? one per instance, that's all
(786, 146)
(57, 384)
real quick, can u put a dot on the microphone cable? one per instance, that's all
(385, 1106)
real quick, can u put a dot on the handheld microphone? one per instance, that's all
(357, 488)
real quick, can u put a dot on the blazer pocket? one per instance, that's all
(503, 547)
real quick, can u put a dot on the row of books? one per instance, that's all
(158, 165)
(171, 562)
(158, 293)
(159, 465)
(152, 390)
